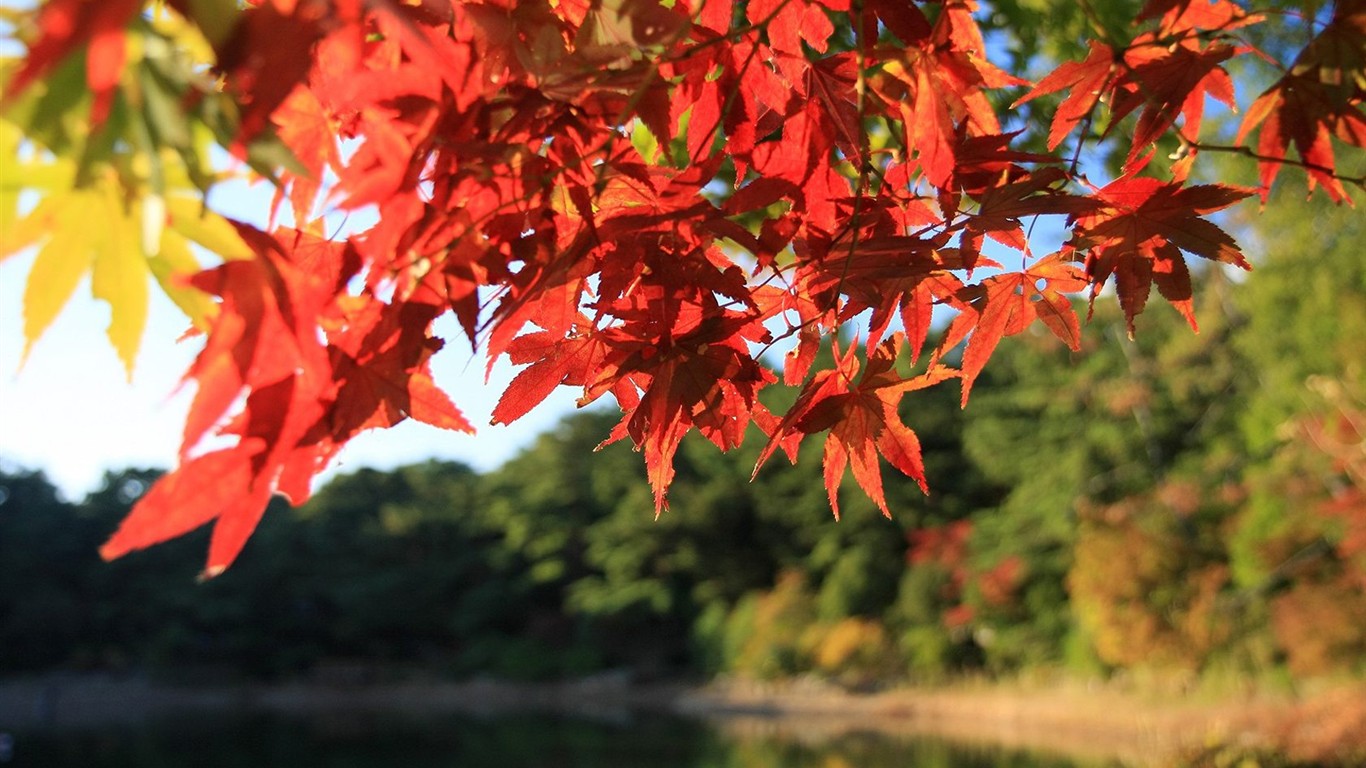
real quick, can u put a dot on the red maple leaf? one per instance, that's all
(938, 87)
(878, 273)
(1168, 74)
(381, 362)
(266, 330)
(1001, 206)
(301, 397)
(268, 53)
(310, 134)
(217, 486)
(552, 360)
(1141, 232)
(1089, 81)
(1170, 82)
(1007, 304)
(264, 344)
(862, 421)
(938, 90)
(1178, 17)
(704, 378)
(1321, 97)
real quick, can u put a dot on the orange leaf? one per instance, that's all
(1145, 226)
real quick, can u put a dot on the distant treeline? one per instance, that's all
(1181, 502)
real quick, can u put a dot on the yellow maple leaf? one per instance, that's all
(121, 241)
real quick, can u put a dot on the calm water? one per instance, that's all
(509, 742)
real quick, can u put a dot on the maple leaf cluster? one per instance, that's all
(641, 198)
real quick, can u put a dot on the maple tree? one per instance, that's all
(628, 197)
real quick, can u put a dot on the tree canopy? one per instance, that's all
(639, 199)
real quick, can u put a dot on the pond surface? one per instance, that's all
(523, 741)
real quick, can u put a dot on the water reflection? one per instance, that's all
(529, 741)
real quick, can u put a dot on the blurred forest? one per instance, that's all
(1183, 503)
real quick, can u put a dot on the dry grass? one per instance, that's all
(1148, 728)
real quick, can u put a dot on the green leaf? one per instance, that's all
(216, 18)
(645, 142)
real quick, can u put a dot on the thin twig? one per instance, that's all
(1238, 149)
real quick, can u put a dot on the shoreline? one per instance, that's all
(1096, 722)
